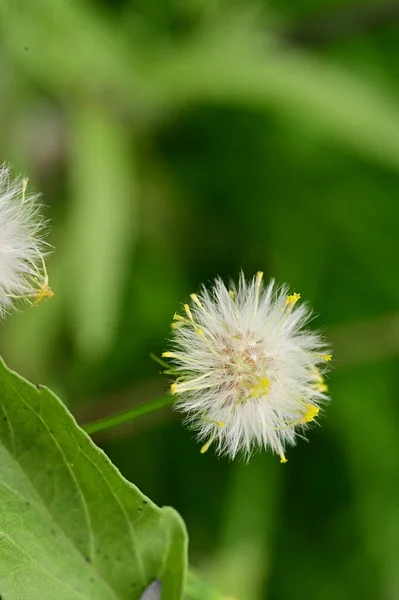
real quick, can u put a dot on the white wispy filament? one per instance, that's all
(248, 374)
(23, 272)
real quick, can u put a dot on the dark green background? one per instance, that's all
(174, 141)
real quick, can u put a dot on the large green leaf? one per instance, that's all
(71, 527)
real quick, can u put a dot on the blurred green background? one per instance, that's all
(177, 140)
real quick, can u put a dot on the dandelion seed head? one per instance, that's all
(248, 372)
(23, 272)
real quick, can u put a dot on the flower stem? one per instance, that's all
(127, 415)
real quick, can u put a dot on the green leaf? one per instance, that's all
(241, 566)
(47, 28)
(235, 60)
(365, 420)
(72, 528)
(102, 225)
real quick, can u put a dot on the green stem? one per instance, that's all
(159, 361)
(128, 415)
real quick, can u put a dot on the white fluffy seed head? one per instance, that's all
(248, 374)
(23, 272)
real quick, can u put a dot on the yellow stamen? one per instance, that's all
(202, 335)
(218, 423)
(195, 299)
(292, 299)
(311, 413)
(282, 458)
(177, 317)
(317, 375)
(188, 312)
(205, 447)
(326, 357)
(321, 387)
(44, 292)
(182, 384)
(180, 357)
(258, 280)
(261, 388)
(24, 186)
(177, 324)
(232, 294)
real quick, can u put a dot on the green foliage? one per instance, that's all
(103, 185)
(72, 526)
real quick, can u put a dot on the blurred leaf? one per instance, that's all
(290, 232)
(72, 526)
(377, 206)
(242, 564)
(236, 61)
(30, 337)
(66, 45)
(102, 226)
(365, 414)
(234, 57)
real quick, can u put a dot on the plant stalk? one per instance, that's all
(127, 415)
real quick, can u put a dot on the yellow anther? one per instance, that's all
(44, 292)
(264, 383)
(205, 447)
(282, 458)
(258, 280)
(317, 375)
(168, 355)
(177, 317)
(311, 413)
(218, 423)
(24, 186)
(232, 294)
(178, 321)
(200, 333)
(188, 312)
(321, 387)
(326, 357)
(261, 388)
(173, 388)
(292, 299)
(195, 299)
